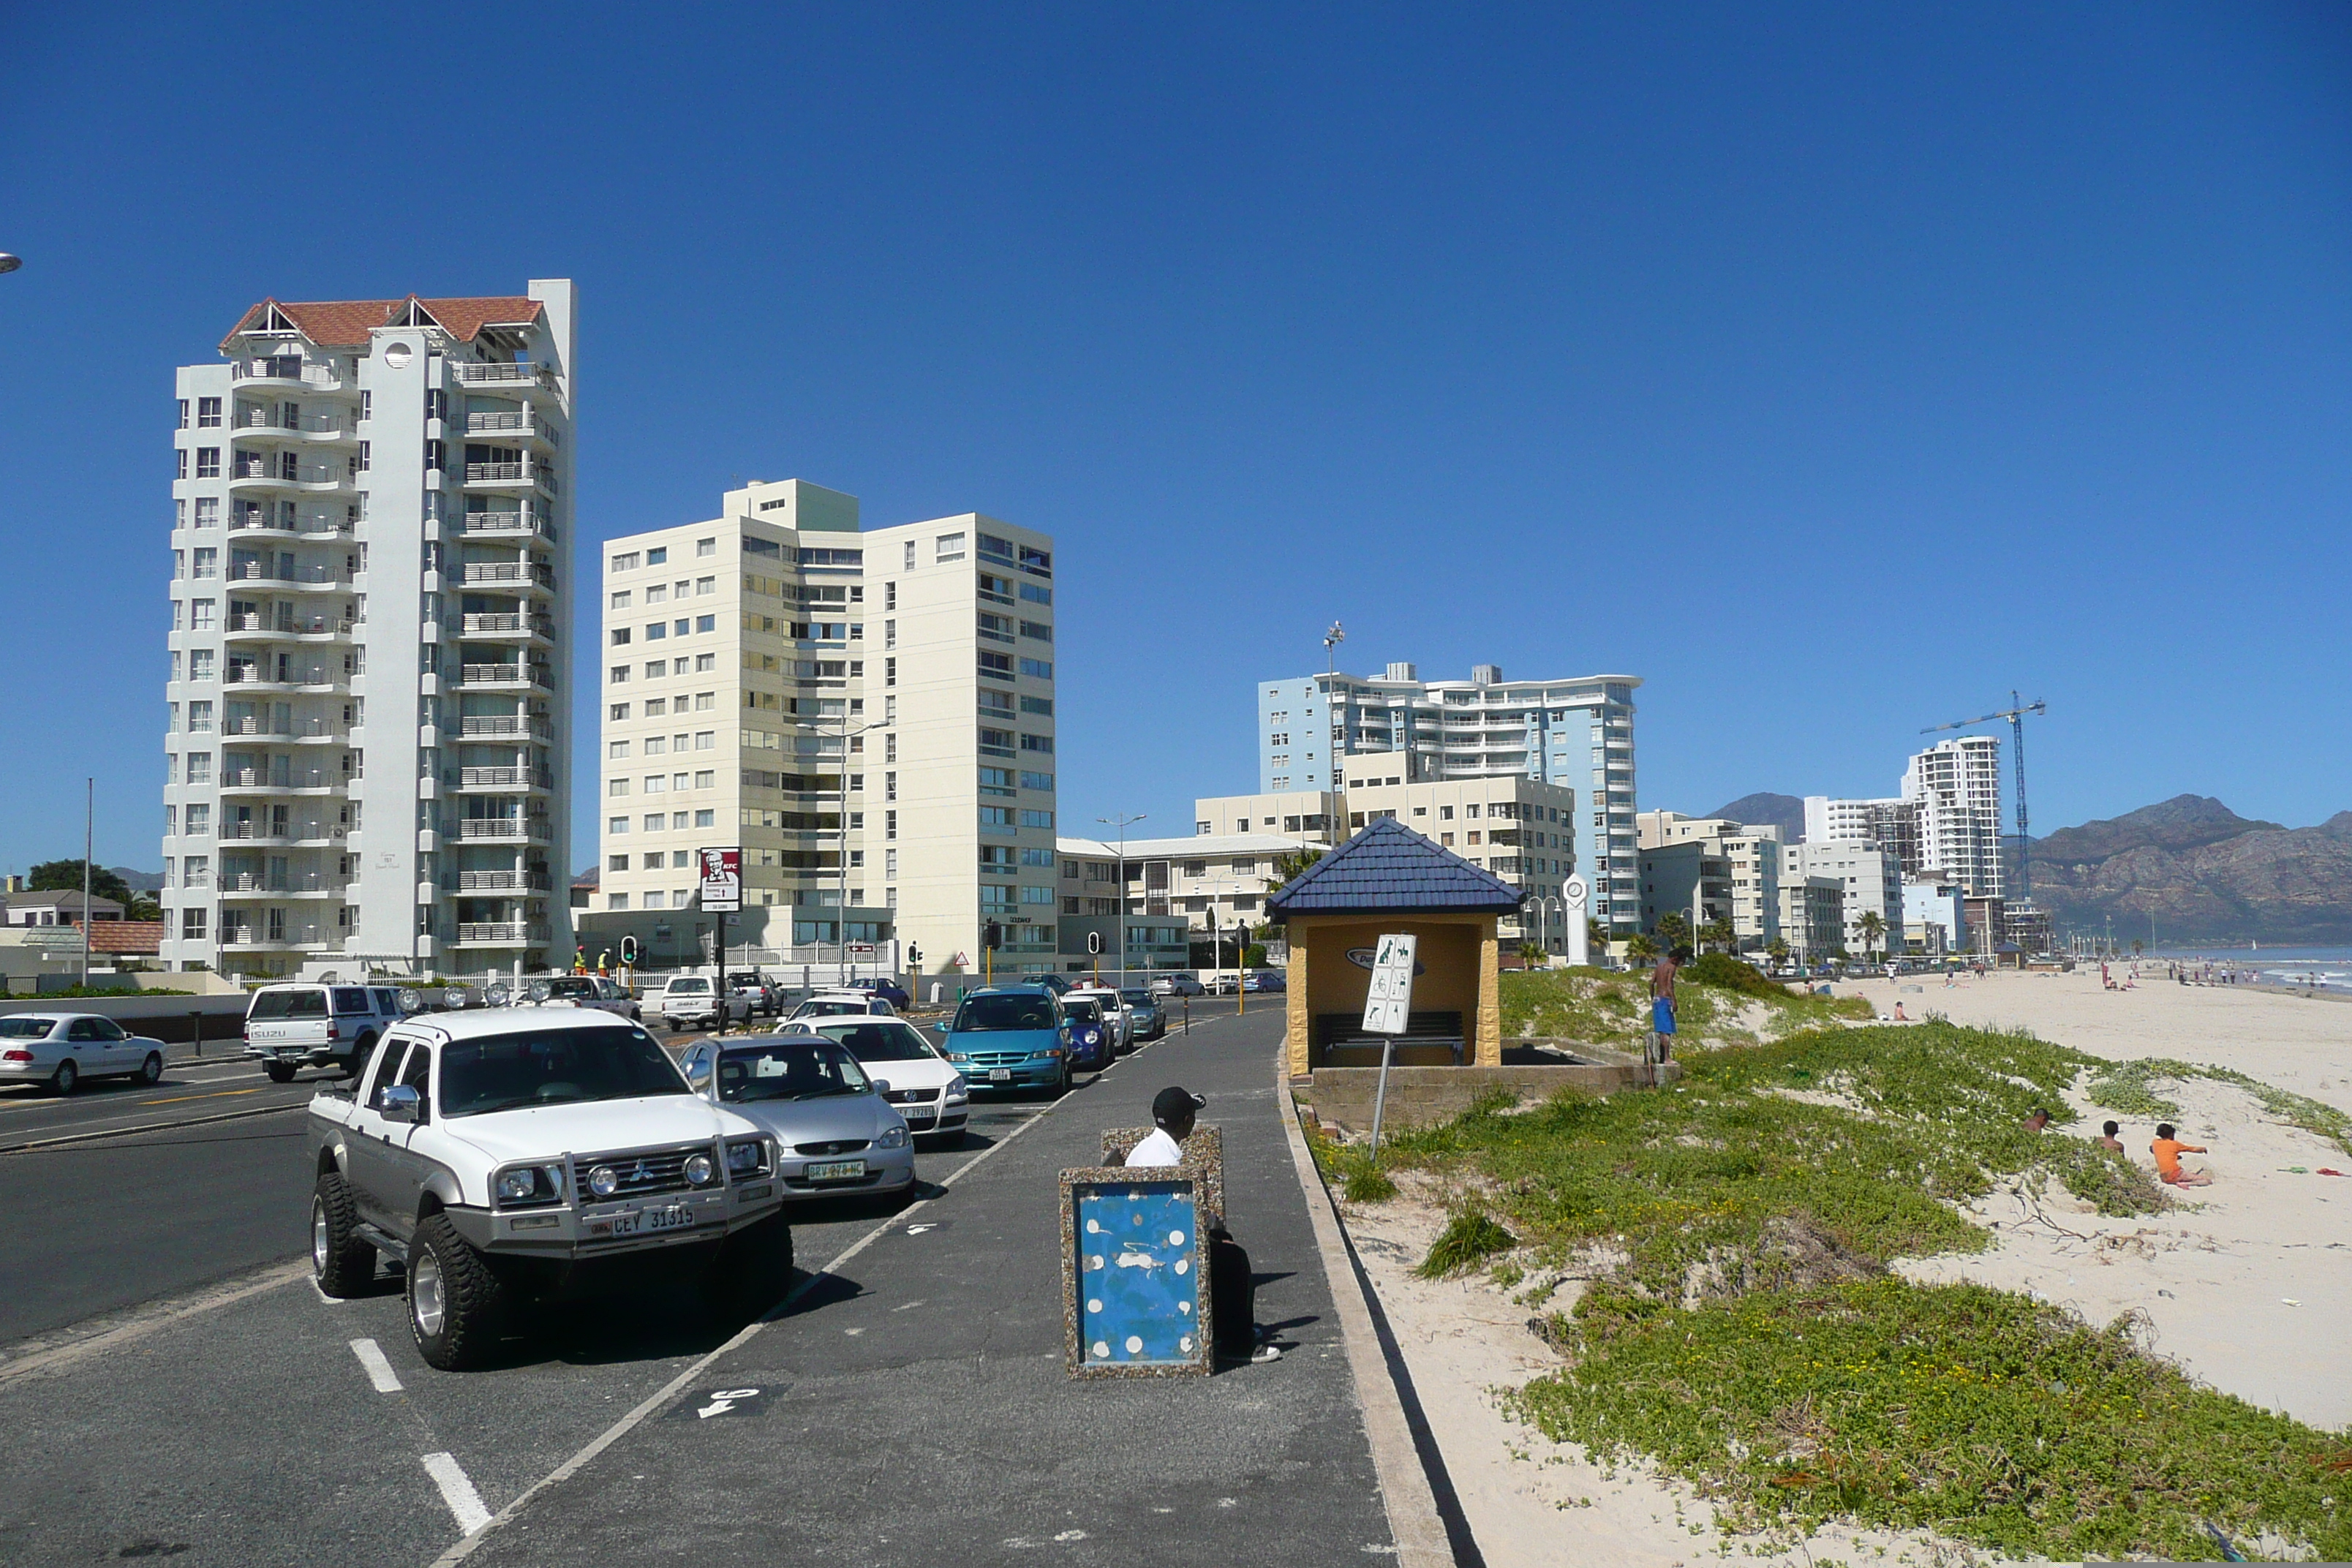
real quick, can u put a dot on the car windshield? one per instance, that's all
(553, 1066)
(832, 1007)
(1136, 998)
(23, 1028)
(691, 987)
(983, 1014)
(276, 1006)
(570, 985)
(789, 1070)
(881, 1041)
(1081, 1009)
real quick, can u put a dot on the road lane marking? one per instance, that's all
(379, 1370)
(669, 1389)
(457, 1492)
(33, 1143)
(217, 1094)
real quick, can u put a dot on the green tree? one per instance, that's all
(1673, 928)
(1289, 865)
(1640, 948)
(1720, 933)
(1779, 949)
(1596, 935)
(1873, 927)
(65, 876)
(1531, 953)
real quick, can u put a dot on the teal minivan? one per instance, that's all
(1009, 1036)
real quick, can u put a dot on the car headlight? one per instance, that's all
(892, 1138)
(603, 1181)
(699, 1169)
(530, 1184)
(957, 1090)
(747, 1157)
(958, 1057)
(1089, 1036)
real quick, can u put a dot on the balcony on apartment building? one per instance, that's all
(287, 574)
(285, 676)
(507, 676)
(506, 778)
(285, 370)
(505, 624)
(529, 577)
(265, 420)
(290, 834)
(498, 829)
(502, 933)
(517, 373)
(497, 882)
(283, 780)
(287, 517)
(535, 471)
(288, 623)
(505, 522)
(482, 726)
(282, 884)
(524, 423)
(287, 728)
(288, 934)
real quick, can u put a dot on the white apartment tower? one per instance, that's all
(1955, 786)
(366, 756)
(867, 713)
(1314, 730)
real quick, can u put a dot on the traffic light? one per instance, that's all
(629, 950)
(914, 958)
(1094, 941)
(992, 936)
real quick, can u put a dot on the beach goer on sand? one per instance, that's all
(2108, 1139)
(1898, 1014)
(2037, 1122)
(1662, 1003)
(2167, 1150)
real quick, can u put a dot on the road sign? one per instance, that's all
(1388, 1003)
(861, 949)
(723, 880)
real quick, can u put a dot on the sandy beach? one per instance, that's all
(2242, 1283)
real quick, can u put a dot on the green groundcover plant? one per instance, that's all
(1740, 1327)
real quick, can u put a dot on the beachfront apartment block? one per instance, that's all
(867, 713)
(367, 742)
(1956, 787)
(1330, 733)
(1749, 894)
(1523, 830)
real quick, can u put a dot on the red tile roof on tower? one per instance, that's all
(346, 323)
(129, 938)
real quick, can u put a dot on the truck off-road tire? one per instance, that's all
(753, 1271)
(356, 1063)
(279, 1072)
(151, 1069)
(456, 1304)
(341, 1264)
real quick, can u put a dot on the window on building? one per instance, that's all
(208, 413)
(659, 557)
(948, 547)
(208, 462)
(616, 900)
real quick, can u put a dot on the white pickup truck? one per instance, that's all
(291, 1026)
(509, 1156)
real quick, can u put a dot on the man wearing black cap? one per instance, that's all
(1233, 1291)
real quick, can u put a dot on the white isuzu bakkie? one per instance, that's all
(503, 1156)
(292, 1026)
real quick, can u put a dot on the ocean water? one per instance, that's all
(2329, 968)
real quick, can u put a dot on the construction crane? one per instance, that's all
(2015, 714)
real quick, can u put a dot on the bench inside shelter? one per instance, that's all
(1432, 1038)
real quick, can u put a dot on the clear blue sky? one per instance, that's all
(1834, 370)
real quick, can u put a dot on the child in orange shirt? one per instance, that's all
(2167, 1150)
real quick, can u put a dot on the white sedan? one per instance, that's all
(1115, 1010)
(841, 1005)
(60, 1049)
(924, 1089)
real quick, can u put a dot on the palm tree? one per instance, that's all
(1673, 929)
(1531, 954)
(1597, 936)
(1872, 926)
(1720, 933)
(1640, 947)
(1290, 865)
(1778, 949)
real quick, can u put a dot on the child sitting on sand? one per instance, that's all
(2108, 1139)
(2167, 1150)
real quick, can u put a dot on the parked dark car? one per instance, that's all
(1094, 1042)
(889, 990)
(1151, 1018)
(1266, 980)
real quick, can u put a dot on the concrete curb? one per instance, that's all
(1404, 1453)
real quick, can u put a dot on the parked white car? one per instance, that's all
(590, 991)
(835, 1134)
(501, 1154)
(1175, 985)
(924, 1089)
(60, 1049)
(1115, 1012)
(841, 1005)
(693, 1002)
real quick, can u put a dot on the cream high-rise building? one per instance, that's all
(1955, 786)
(367, 756)
(868, 712)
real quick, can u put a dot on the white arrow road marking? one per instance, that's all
(457, 1492)
(379, 1370)
(715, 1407)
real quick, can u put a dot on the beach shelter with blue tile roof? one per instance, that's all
(1389, 879)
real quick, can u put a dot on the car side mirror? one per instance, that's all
(698, 1067)
(402, 1104)
(878, 1085)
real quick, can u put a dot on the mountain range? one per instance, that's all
(2200, 871)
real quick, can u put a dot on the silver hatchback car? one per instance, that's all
(837, 1135)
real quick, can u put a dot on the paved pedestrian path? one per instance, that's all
(912, 1406)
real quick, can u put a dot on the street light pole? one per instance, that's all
(1120, 821)
(89, 799)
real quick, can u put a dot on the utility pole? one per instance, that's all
(1120, 821)
(88, 805)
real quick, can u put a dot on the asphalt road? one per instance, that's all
(911, 1405)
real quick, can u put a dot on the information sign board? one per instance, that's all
(723, 880)
(1388, 1003)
